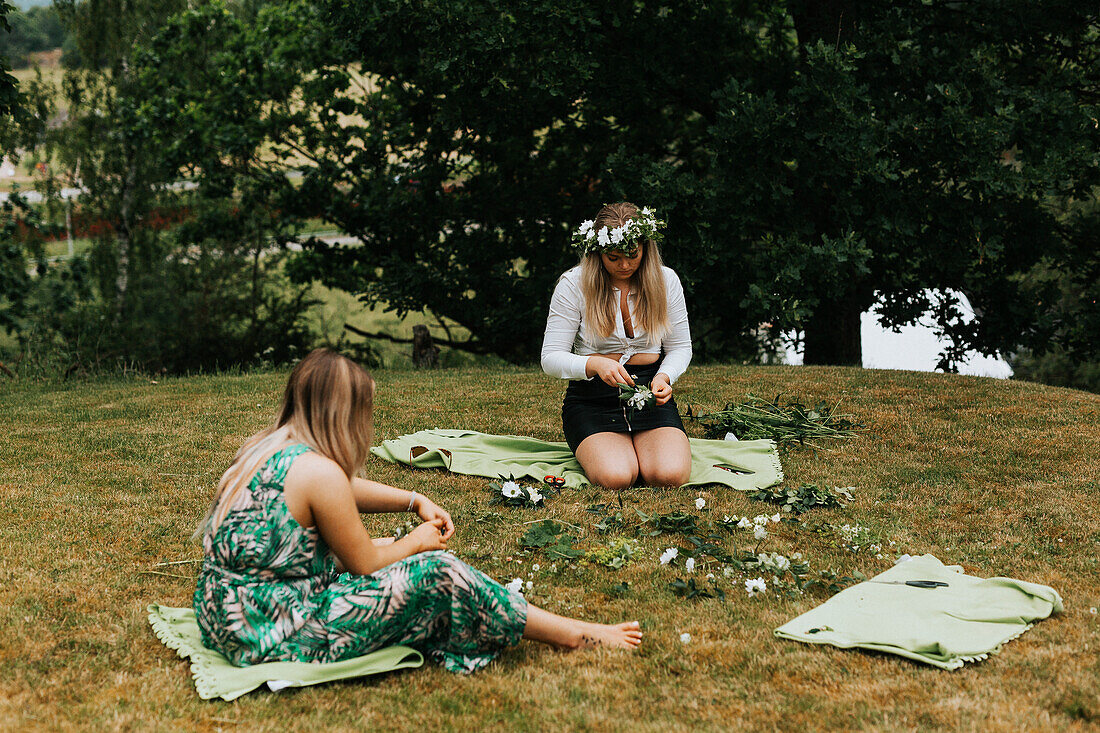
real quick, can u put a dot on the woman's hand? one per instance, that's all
(428, 536)
(428, 510)
(662, 390)
(609, 371)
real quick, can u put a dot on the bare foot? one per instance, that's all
(627, 635)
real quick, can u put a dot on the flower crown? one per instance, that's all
(626, 239)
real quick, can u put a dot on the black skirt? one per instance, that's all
(592, 406)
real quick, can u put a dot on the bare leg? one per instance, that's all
(608, 459)
(571, 633)
(664, 456)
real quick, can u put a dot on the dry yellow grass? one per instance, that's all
(100, 480)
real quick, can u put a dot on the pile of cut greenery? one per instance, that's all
(786, 423)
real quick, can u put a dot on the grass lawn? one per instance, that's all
(100, 480)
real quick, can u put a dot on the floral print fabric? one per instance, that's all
(269, 591)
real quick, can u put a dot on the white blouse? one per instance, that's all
(566, 348)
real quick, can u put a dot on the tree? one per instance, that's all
(894, 154)
(813, 161)
(182, 276)
(9, 87)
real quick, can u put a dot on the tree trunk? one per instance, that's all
(832, 334)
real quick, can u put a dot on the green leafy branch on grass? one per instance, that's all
(797, 500)
(785, 423)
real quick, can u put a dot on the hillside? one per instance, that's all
(101, 480)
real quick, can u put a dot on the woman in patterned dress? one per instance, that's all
(290, 573)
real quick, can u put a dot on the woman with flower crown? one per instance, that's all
(619, 318)
(290, 573)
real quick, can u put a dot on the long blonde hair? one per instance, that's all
(327, 405)
(651, 298)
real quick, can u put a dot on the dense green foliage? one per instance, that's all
(36, 29)
(813, 160)
(834, 155)
(8, 86)
(178, 278)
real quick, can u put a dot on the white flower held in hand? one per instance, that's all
(668, 555)
(700, 503)
(755, 586)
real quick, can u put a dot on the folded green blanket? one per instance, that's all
(945, 626)
(743, 465)
(216, 677)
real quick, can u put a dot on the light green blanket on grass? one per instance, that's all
(216, 677)
(946, 627)
(744, 465)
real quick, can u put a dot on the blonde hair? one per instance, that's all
(327, 405)
(651, 298)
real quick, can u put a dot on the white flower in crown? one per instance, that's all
(586, 228)
(617, 235)
(603, 237)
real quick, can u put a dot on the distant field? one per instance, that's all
(100, 480)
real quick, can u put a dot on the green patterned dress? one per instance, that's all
(269, 591)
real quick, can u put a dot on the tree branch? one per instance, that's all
(470, 346)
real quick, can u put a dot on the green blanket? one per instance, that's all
(216, 677)
(743, 465)
(945, 627)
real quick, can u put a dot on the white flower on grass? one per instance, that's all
(796, 555)
(710, 576)
(668, 555)
(603, 238)
(760, 520)
(685, 638)
(728, 571)
(776, 518)
(535, 494)
(755, 586)
(759, 533)
(745, 523)
(535, 567)
(700, 503)
(529, 586)
(515, 585)
(689, 565)
(510, 489)
(726, 519)
(1093, 610)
